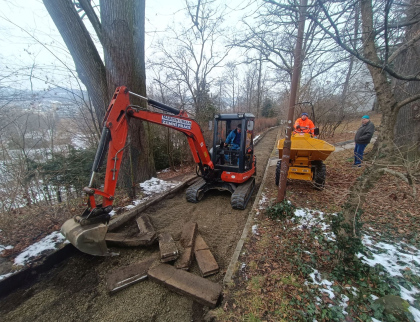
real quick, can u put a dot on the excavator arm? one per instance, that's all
(87, 231)
(115, 132)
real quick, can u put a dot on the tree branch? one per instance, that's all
(93, 18)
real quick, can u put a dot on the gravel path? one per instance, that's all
(75, 289)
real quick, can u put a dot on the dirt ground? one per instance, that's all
(76, 290)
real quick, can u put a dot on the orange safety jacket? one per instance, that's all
(306, 126)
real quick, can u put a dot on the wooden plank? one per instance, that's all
(145, 225)
(168, 249)
(185, 260)
(195, 287)
(127, 276)
(189, 231)
(206, 262)
(200, 244)
(120, 239)
(205, 259)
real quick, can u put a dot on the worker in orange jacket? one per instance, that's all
(304, 124)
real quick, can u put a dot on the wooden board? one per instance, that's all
(195, 287)
(127, 276)
(189, 231)
(205, 259)
(168, 249)
(120, 239)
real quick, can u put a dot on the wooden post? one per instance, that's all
(297, 67)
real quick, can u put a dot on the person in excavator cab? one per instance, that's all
(304, 125)
(233, 140)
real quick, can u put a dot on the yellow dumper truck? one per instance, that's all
(306, 159)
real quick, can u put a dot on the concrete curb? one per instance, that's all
(232, 265)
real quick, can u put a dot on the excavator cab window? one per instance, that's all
(230, 156)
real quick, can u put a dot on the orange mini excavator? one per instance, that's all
(222, 168)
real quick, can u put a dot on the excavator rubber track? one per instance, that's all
(243, 192)
(196, 191)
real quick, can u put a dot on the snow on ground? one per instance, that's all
(49, 242)
(308, 218)
(79, 141)
(156, 185)
(327, 289)
(2, 277)
(2, 248)
(394, 258)
(164, 171)
(263, 200)
(255, 230)
(151, 187)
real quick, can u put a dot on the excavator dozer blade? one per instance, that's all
(89, 239)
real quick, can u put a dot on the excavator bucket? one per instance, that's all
(89, 239)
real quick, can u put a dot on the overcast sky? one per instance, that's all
(24, 24)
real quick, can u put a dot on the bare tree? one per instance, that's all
(120, 31)
(195, 52)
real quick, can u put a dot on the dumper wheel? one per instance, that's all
(319, 174)
(278, 168)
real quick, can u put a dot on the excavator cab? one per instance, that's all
(228, 157)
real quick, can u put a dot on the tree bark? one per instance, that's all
(123, 28)
(386, 99)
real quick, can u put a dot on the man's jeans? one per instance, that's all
(358, 153)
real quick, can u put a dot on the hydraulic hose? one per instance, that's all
(102, 149)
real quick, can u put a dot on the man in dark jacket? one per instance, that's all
(234, 138)
(362, 139)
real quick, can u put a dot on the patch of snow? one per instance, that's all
(415, 312)
(341, 300)
(262, 201)
(2, 248)
(2, 277)
(308, 218)
(79, 142)
(164, 171)
(395, 259)
(156, 185)
(47, 243)
(255, 230)
(391, 257)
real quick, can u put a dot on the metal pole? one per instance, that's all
(297, 66)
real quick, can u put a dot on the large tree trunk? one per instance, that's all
(348, 235)
(89, 65)
(123, 29)
(387, 103)
(121, 32)
(407, 131)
